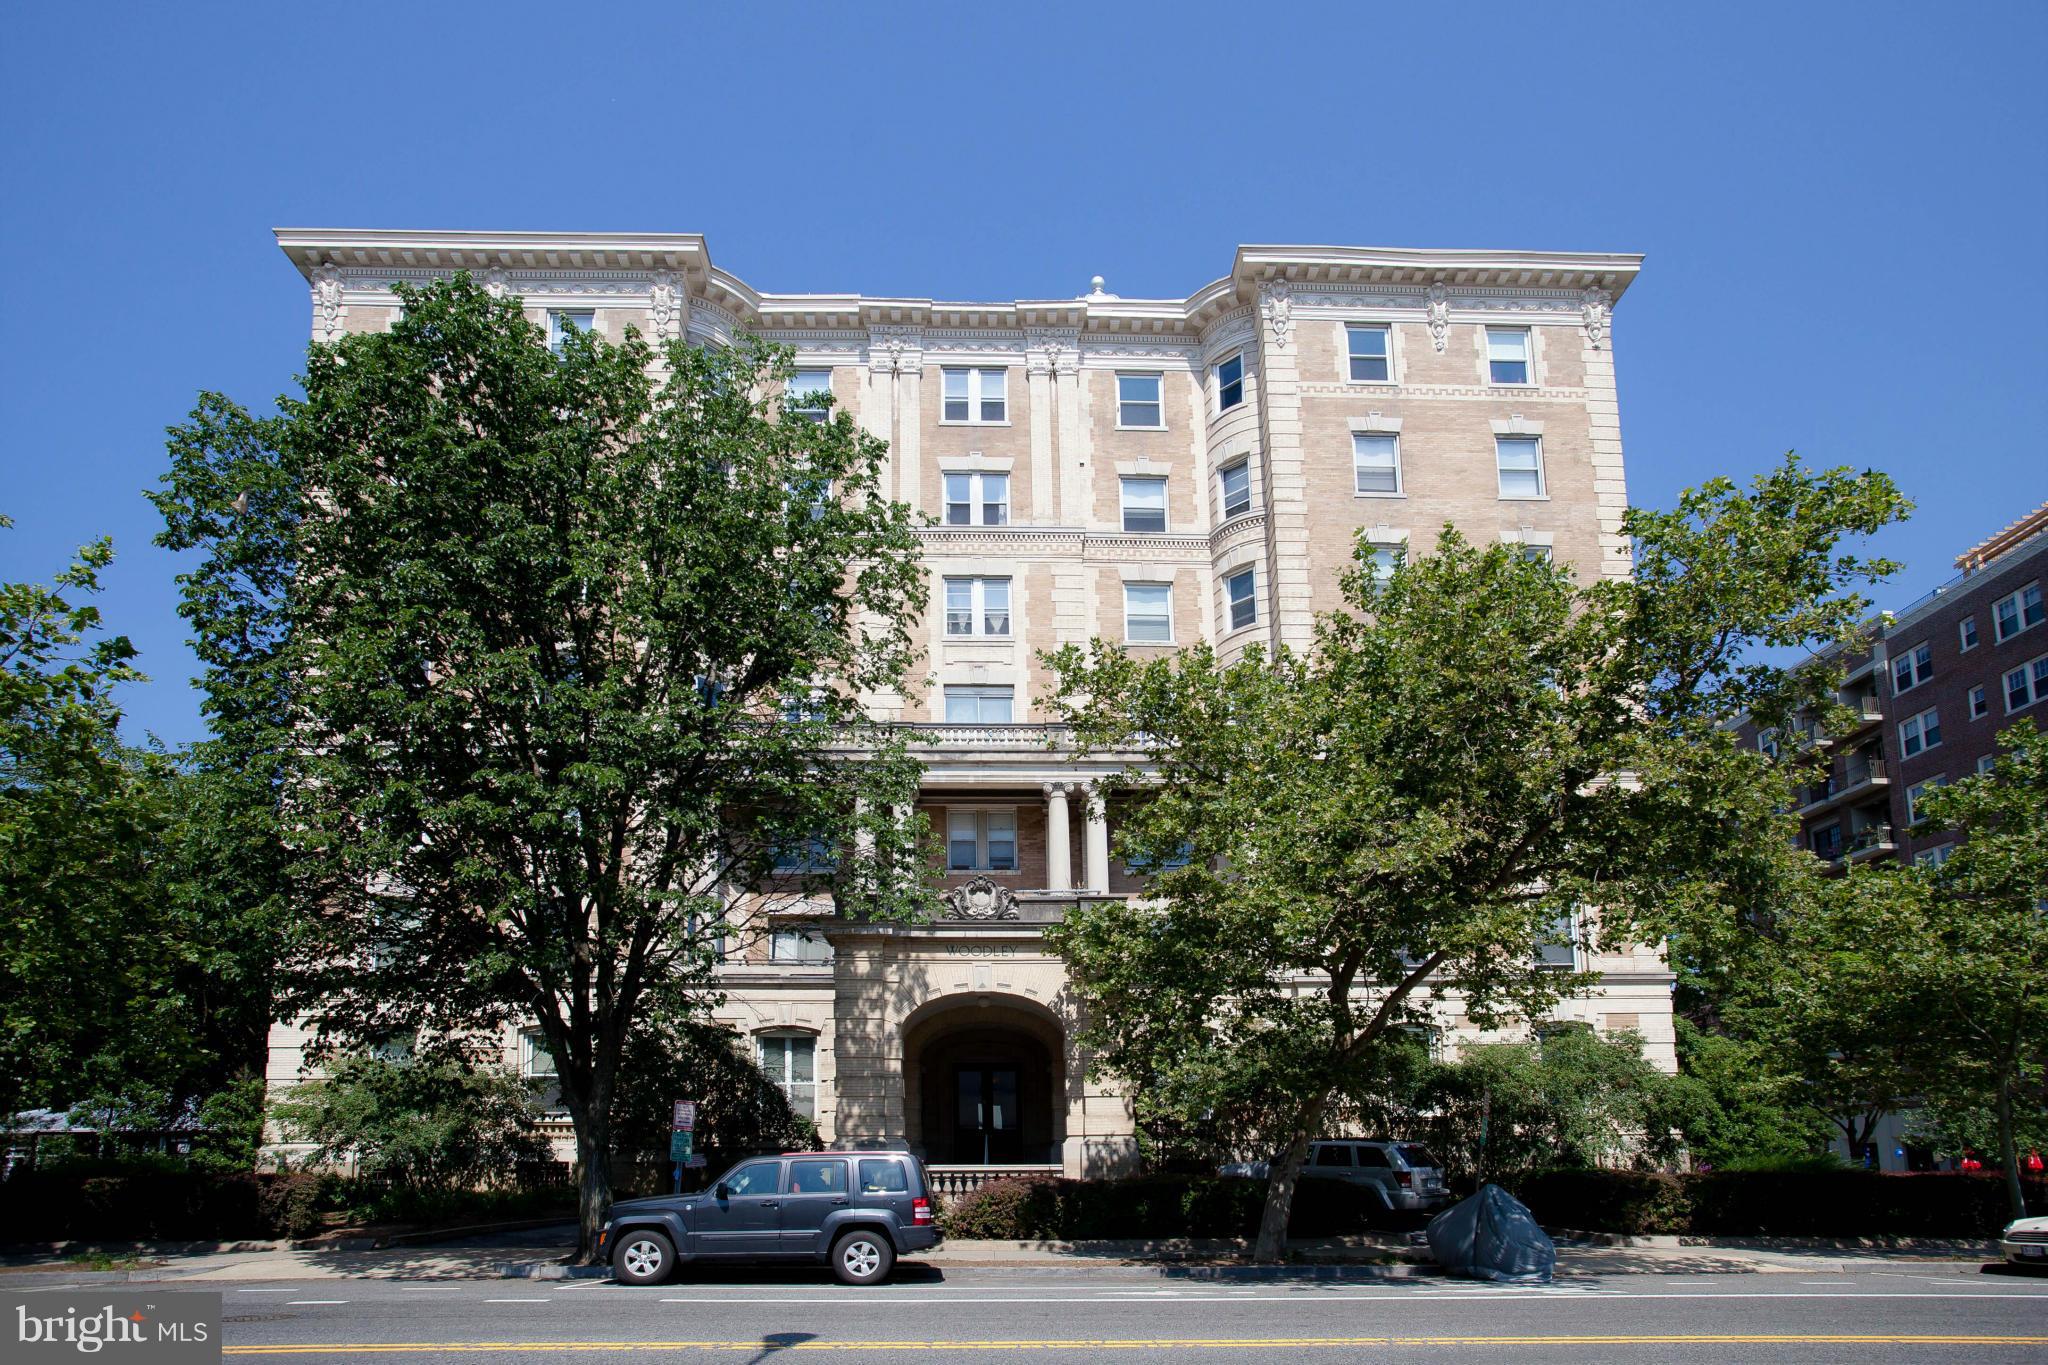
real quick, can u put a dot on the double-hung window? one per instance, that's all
(808, 854)
(975, 394)
(1138, 402)
(980, 705)
(1234, 486)
(2015, 612)
(1240, 590)
(1230, 382)
(1980, 704)
(1558, 946)
(562, 321)
(2026, 684)
(1370, 363)
(535, 1061)
(1912, 668)
(981, 840)
(1148, 613)
(977, 499)
(791, 1062)
(809, 394)
(1918, 791)
(1507, 355)
(1520, 460)
(1920, 732)
(1144, 504)
(1966, 633)
(1376, 462)
(1382, 559)
(798, 945)
(978, 606)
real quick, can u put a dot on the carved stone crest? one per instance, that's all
(661, 304)
(496, 282)
(1440, 315)
(327, 306)
(1595, 304)
(1276, 305)
(981, 899)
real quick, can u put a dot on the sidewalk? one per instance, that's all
(539, 1253)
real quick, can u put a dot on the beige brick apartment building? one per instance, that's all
(1149, 471)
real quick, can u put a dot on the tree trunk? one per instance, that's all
(1271, 1247)
(593, 1180)
(2008, 1147)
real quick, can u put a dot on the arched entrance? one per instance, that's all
(985, 1082)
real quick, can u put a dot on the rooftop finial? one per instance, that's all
(1095, 290)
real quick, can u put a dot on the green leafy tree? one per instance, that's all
(740, 1111)
(1734, 1108)
(1987, 944)
(434, 1126)
(86, 995)
(1474, 755)
(575, 647)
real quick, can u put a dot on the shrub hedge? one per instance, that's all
(190, 1205)
(1774, 1203)
(1148, 1207)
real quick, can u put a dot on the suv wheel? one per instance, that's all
(643, 1257)
(862, 1257)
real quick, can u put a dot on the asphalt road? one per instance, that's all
(1908, 1313)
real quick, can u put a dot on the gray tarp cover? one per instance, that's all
(1492, 1237)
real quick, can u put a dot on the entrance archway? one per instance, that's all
(985, 1082)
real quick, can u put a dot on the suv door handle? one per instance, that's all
(839, 1201)
(770, 1204)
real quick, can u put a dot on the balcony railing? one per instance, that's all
(952, 736)
(954, 1181)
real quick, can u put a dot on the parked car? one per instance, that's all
(2025, 1241)
(856, 1211)
(1405, 1175)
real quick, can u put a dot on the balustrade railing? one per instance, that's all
(954, 1181)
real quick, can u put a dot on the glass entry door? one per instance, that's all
(987, 1119)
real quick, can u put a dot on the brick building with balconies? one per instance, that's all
(1153, 472)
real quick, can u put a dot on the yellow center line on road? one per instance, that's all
(1138, 1344)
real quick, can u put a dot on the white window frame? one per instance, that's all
(794, 388)
(1223, 488)
(1979, 702)
(2019, 600)
(533, 1047)
(978, 606)
(1913, 732)
(557, 316)
(1378, 440)
(1915, 792)
(803, 1095)
(1918, 666)
(798, 946)
(1382, 570)
(1767, 742)
(1232, 601)
(1934, 857)
(814, 855)
(1157, 402)
(978, 501)
(1164, 615)
(979, 394)
(1124, 507)
(1352, 355)
(1528, 336)
(1966, 634)
(1222, 384)
(1563, 956)
(1986, 762)
(2033, 676)
(978, 693)
(1500, 445)
(983, 824)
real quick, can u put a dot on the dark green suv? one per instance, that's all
(857, 1211)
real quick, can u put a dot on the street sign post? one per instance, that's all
(682, 1139)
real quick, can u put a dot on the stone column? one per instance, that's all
(1059, 857)
(1097, 845)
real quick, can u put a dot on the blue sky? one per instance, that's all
(1843, 206)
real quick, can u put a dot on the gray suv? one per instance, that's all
(857, 1211)
(1405, 1176)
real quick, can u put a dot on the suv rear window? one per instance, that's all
(1415, 1154)
(1373, 1157)
(883, 1177)
(821, 1176)
(1333, 1156)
